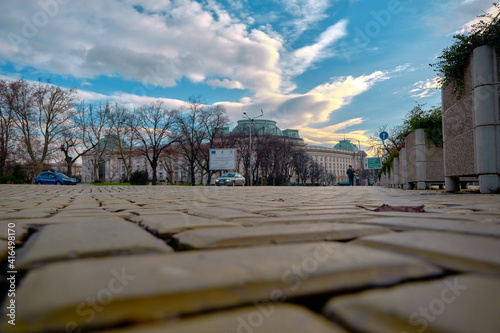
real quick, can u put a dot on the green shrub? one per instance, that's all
(139, 177)
(8, 179)
(387, 165)
(430, 120)
(19, 173)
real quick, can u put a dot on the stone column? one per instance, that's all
(402, 169)
(451, 184)
(486, 118)
(420, 158)
(395, 164)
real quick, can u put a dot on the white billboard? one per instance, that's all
(222, 159)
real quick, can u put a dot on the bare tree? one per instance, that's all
(242, 144)
(122, 124)
(93, 123)
(154, 131)
(168, 160)
(395, 140)
(317, 172)
(41, 112)
(69, 145)
(6, 126)
(301, 164)
(190, 134)
(274, 157)
(213, 122)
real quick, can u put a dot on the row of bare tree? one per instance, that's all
(41, 122)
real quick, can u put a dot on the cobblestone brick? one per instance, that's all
(167, 285)
(272, 234)
(459, 303)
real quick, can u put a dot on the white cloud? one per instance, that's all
(426, 88)
(466, 28)
(306, 12)
(321, 136)
(229, 84)
(162, 42)
(157, 45)
(126, 99)
(447, 15)
(303, 58)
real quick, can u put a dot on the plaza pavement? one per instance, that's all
(247, 259)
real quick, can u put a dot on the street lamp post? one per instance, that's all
(250, 149)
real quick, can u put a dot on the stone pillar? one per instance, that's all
(402, 169)
(451, 184)
(391, 177)
(486, 118)
(395, 164)
(421, 167)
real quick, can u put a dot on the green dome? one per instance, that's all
(259, 127)
(346, 145)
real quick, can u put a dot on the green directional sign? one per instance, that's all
(373, 163)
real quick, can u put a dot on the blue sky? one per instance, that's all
(329, 68)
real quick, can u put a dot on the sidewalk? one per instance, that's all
(247, 259)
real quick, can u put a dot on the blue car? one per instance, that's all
(54, 178)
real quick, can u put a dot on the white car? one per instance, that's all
(231, 179)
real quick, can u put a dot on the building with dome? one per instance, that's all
(264, 127)
(346, 145)
(334, 160)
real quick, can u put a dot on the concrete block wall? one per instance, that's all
(424, 161)
(471, 125)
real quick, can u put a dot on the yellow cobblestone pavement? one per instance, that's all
(249, 259)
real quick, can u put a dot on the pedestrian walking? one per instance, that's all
(350, 173)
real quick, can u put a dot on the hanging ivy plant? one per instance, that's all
(451, 64)
(387, 165)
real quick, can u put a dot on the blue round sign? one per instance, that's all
(384, 135)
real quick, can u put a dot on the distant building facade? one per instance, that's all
(172, 168)
(336, 160)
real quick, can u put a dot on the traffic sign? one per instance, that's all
(384, 135)
(373, 163)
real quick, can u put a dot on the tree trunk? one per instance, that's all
(209, 178)
(97, 178)
(154, 165)
(193, 178)
(3, 159)
(69, 165)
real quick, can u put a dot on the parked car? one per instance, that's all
(230, 179)
(54, 178)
